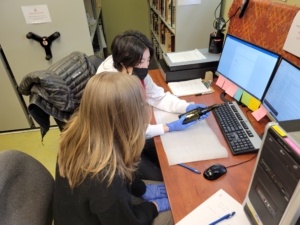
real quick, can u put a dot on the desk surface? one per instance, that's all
(187, 190)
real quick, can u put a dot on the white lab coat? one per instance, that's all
(156, 97)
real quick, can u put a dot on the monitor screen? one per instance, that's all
(247, 65)
(282, 99)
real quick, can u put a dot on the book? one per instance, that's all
(191, 87)
(173, 14)
(162, 8)
(168, 40)
(172, 43)
(162, 33)
(168, 11)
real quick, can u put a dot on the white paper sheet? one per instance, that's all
(217, 206)
(186, 56)
(36, 14)
(292, 42)
(197, 142)
(189, 87)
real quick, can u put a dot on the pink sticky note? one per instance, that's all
(220, 81)
(260, 113)
(226, 85)
(293, 145)
(231, 89)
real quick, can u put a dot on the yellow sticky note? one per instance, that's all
(253, 104)
(246, 98)
(279, 131)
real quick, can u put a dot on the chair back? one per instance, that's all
(26, 190)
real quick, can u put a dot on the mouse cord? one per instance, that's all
(241, 162)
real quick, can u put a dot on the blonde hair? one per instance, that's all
(107, 133)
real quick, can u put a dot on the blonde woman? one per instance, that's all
(99, 150)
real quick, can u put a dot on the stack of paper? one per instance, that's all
(217, 206)
(189, 87)
(187, 56)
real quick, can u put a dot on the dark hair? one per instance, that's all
(128, 48)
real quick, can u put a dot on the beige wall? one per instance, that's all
(289, 2)
(228, 3)
(121, 15)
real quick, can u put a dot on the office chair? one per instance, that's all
(26, 190)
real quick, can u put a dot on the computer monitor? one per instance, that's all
(248, 66)
(282, 99)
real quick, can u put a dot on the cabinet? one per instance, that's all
(177, 25)
(94, 18)
(26, 55)
(11, 110)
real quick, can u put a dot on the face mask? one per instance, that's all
(141, 73)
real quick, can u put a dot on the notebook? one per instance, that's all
(191, 87)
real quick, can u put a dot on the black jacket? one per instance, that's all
(57, 91)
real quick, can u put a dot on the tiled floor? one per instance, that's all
(31, 143)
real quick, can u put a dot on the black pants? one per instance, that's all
(148, 168)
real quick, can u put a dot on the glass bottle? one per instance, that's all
(196, 113)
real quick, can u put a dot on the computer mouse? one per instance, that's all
(214, 172)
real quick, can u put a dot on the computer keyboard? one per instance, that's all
(236, 128)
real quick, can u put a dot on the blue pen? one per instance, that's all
(229, 215)
(190, 168)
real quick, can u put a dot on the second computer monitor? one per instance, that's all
(282, 100)
(247, 65)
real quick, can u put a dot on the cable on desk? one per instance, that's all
(241, 162)
(249, 118)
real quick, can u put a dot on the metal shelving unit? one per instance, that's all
(93, 9)
(193, 24)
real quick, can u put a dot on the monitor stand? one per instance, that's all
(223, 98)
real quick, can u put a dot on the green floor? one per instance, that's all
(31, 143)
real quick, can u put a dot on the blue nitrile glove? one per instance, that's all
(155, 191)
(177, 125)
(195, 106)
(162, 203)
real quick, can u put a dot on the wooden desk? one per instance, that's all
(187, 190)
